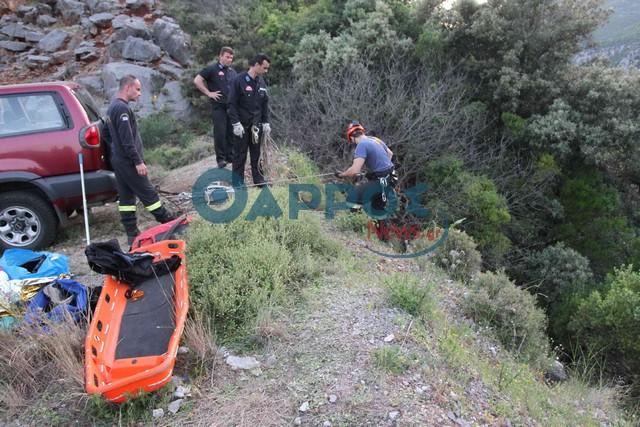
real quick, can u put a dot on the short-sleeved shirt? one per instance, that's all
(219, 78)
(248, 100)
(374, 153)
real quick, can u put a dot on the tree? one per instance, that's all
(596, 119)
(515, 50)
(607, 323)
(594, 223)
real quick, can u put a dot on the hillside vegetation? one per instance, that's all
(481, 103)
(341, 336)
(532, 157)
(623, 26)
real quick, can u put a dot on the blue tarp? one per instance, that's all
(38, 264)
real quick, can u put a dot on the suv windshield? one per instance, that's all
(88, 103)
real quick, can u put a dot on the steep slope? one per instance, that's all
(623, 25)
(345, 355)
(618, 40)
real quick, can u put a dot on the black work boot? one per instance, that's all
(130, 224)
(162, 215)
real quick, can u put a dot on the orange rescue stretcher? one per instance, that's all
(133, 338)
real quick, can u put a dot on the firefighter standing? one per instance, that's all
(249, 113)
(128, 162)
(214, 81)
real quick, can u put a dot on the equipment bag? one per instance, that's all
(130, 268)
(58, 300)
(26, 264)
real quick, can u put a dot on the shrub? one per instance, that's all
(162, 129)
(171, 157)
(406, 292)
(300, 164)
(238, 268)
(356, 222)
(595, 223)
(136, 411)
(459, 256)
(514, 123)
(462, 194)
(607, 322)
(558, 276)
(519, 325)
(557, 271)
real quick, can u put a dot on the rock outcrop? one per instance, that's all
(95, 42)
(621, 55)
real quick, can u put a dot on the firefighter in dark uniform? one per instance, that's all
(128, 162)
(214, 81)
(376, 156)
(249, 114)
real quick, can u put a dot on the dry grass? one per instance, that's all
(199, 337)
(264, 408)
(37, 361)
(267, 327)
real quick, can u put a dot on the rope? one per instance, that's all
(284, 181)
(268, 148)
(187, 195)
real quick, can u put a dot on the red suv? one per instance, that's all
(43, 129)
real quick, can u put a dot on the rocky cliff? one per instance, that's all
(619, 55)
(618, 39)
(95, 42)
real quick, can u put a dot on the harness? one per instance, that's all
(387, 177)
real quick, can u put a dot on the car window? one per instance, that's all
(29, 113)
(93, 112)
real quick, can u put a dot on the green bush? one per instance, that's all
(458, 193)
(162, 129)
(595, 223)
(557, 271)
(237, 269)
(514, 123)
(356, 222)
(406, 292)
(459, 256)
(496, 302)
(607, 322)
(300, 165)
(134, 411)
(171, 157)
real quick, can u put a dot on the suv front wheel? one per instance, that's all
(27, 221)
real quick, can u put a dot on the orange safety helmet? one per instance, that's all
(352, 128)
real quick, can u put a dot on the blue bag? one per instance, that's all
(42, 303)
(25, 264)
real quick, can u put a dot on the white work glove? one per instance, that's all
(266, 129)
(238, 130)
